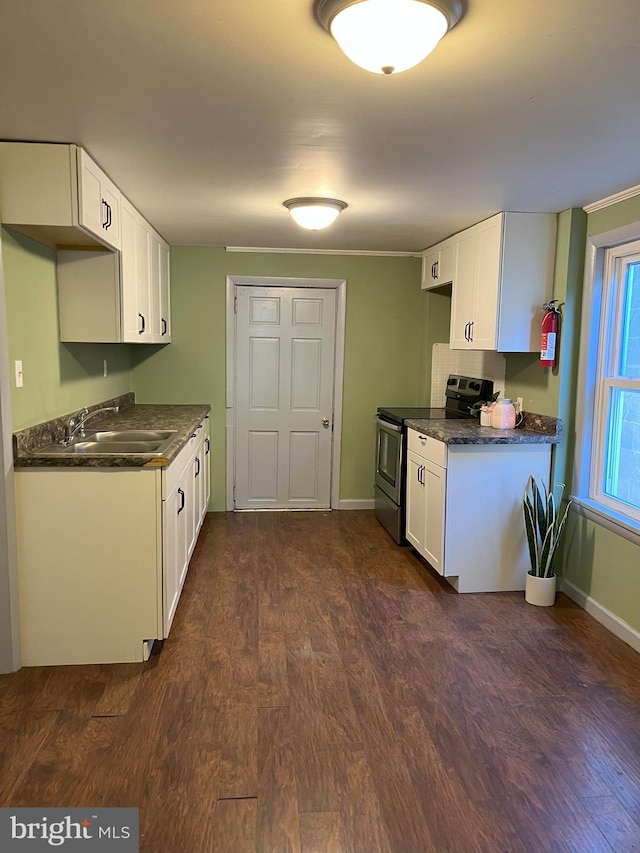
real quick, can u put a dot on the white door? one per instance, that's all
(285, 342)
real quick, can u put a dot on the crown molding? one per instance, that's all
(632, 192)
(365, 253)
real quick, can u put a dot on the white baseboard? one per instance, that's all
(357, 504)
(610, 621)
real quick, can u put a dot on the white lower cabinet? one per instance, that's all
(426, 488)
(183, 513)
(103, 555)
(464, 509)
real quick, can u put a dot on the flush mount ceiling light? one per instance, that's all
(314, 213)
(387, 36)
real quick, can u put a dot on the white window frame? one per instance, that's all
(601, 315)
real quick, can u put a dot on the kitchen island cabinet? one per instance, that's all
(464, 506)
(103, 552)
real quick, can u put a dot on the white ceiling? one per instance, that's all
(208, 115)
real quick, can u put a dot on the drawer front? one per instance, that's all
(429, 448)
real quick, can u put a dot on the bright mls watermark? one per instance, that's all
(80, 830)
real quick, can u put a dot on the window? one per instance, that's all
(611, 446)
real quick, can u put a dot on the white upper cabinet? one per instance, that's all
(57, 195)
(504, 275)
(438, 264)
(117, 297)
(136, 276)
(160, 291)
(98, 201)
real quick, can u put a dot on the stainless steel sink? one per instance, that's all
(132, 435)
(114, 443)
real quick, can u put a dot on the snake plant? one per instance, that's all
(543, 525)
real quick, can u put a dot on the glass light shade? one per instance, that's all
(388, 36)
(314, 214)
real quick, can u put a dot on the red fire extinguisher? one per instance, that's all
(549, 333)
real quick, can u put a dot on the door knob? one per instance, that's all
(325, 422)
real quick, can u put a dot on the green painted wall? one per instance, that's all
(436, 320)
(540, 387)
(604, 566)
(600, 563)
(384, 321)
(623, 213)
(58, 378)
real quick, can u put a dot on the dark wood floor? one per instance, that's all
(323, 691)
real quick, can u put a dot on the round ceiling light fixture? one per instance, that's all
(387, 36)
(314, 213)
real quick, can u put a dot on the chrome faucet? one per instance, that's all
(74, 427)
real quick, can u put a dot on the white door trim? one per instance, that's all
(9, 605)
(266, 281)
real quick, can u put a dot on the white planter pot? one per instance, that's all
(540, 591)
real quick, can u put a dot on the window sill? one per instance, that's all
(617, 523)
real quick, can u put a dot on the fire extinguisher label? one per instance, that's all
(548, 346)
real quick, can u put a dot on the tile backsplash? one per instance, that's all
(476, 363)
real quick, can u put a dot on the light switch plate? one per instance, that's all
(19, 375)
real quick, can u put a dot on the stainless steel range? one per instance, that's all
(391, 445)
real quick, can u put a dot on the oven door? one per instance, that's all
(389, 443)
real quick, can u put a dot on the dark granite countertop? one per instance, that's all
(535, 429)
(184, 419)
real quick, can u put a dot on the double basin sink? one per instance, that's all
(125, 442)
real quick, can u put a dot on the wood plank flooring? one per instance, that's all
(323, 691)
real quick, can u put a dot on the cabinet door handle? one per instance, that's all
(143, 325)
(471, 330)
(197, 465)
(164, 326)
(181, 493)
(105, 215)
(436, 265)
(207, 445)
(106, 223)
(422, 474)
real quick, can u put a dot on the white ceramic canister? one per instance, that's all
(485, 415)
(503, 415)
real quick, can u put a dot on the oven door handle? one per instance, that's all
(388, 425)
